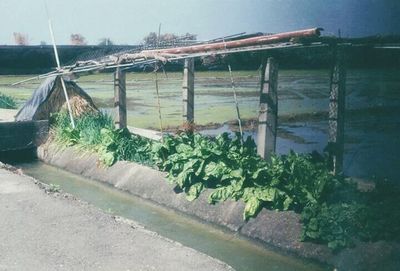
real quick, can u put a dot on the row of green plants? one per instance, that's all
(7, 102)
(332, 210)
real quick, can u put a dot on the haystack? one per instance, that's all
(49, 98)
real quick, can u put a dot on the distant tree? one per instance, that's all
(189, 36)
(21, 39)
(77, 39)
(151, 39)
(43, 43)
(105, 42)
(167, 39)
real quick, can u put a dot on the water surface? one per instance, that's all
(236, 251)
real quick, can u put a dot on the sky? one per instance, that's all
(128, 21)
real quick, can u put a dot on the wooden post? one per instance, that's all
(268, 114)
(188, 91)
(120, 98)
(336, 112)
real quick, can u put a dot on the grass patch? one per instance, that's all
(7, 102)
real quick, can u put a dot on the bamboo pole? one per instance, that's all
(62, 80)
(158, 104)
(281, 37)
(132, 62)
(236, 103)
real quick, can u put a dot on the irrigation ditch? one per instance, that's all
(279, 230)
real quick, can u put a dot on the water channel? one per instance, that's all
(235, 250)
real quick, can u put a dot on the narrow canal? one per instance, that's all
(236, 251)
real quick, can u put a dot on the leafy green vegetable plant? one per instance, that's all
(195, 162)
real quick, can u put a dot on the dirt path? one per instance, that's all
(45, 230)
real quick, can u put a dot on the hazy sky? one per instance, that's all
(128, 21)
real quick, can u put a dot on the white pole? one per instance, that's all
(62, 80)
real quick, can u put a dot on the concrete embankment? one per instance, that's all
(277, 229)
(43, 229)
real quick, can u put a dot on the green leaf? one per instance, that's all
(184, 178)
(313, 224)
(267, 194)
(312, 234)
(215, 170)
(287, 203)
(184, 148)
(194, 191)
(252, 207)
(237, 173)
(220, 194)
(200, 170)
(259, 172)
(108, 158)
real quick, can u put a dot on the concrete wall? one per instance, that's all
(275, 229)
(22, 135)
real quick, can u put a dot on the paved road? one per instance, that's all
(40, 230)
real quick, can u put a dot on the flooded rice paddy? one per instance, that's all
(372, 144)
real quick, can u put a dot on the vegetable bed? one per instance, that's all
(333, 211)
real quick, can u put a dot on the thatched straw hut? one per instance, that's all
(49, 98)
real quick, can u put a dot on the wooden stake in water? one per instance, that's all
(268, 114)
(120, 98)
(188, 91)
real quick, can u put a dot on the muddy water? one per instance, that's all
(372, 122)
(372, 142)
(234, 250)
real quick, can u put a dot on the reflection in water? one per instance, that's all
(372, 121)
(372, 142)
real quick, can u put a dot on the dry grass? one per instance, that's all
(79, 100)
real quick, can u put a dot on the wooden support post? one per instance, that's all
(120, 98)
(188, 91)
(336, 112)
(268, 114)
